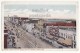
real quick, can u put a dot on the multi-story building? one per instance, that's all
(5, 36)
(63, 32)
(40, 24)
(67, 37)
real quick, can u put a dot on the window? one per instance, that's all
(69, 37)
(62, 34)
(66, 36)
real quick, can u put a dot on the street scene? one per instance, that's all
(39, 26)
(22, 32)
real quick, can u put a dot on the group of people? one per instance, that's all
(11, 39)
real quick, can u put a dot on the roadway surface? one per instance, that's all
(24, 39)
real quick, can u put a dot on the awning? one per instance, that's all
(66, 41)
(49, 36)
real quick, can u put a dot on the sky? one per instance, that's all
(55, 10)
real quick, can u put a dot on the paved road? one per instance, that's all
(27, 40)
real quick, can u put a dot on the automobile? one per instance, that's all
(60, 46)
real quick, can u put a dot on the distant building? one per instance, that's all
(40, 24)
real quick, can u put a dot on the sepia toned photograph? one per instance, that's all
(42, 26)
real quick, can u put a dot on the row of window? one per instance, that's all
(69, 36)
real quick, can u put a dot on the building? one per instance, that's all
(5, 36)
(40, 24)
(63, 32)
(67, 38)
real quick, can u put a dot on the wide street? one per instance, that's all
(24, 39)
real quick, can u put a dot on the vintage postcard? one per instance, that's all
(39, 25)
